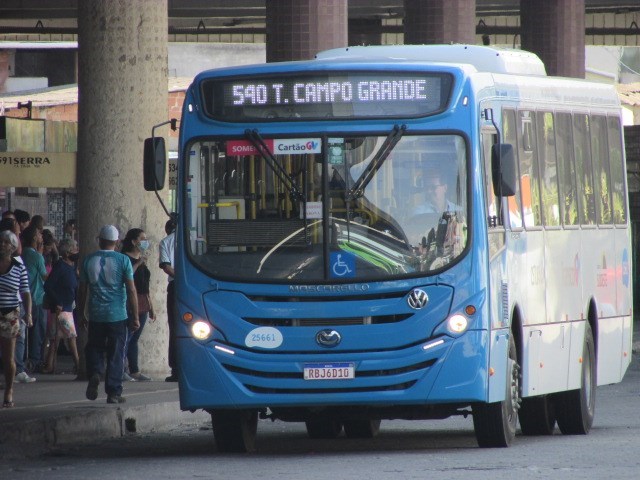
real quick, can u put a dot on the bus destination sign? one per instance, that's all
(326, 96)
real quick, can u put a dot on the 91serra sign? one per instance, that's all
(38, 169)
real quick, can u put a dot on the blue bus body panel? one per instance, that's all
(410, 376)
(227, 309)
(390, 359)
(392, 365)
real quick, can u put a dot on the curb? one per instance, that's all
(95, 425)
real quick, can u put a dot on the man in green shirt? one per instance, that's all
(106, 289)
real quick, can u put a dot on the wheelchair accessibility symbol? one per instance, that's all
(343, 265)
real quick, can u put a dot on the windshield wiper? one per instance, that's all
(288, 181)
(376, 162)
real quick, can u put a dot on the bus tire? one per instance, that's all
(235, 430)
(323, 428)
(575, 409)
(495, 423)
(361, 428)
(537, 416)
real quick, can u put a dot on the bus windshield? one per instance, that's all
(326, 209)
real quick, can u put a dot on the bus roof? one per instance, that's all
(484, 59)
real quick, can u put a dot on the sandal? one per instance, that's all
(8, 404)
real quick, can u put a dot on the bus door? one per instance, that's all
(496, 236)
(498, 292)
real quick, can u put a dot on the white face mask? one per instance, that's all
(143, 245)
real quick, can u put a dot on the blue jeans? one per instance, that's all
(109, 338)
(37, 334)
(132, 344)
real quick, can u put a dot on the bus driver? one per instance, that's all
(432, 195)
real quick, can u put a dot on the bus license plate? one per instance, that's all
(329, 371)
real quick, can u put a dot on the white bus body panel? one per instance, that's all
(484, 59)
(551, 277)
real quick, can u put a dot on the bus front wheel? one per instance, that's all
(495, 423)
(575, 409)
(235, 430)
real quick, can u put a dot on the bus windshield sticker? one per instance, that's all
(343, 265)
(336, 151)
(297, 146)
(244, 147)
(281, 146)
(264, 337)
(313, 209)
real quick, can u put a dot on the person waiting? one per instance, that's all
(61, 288)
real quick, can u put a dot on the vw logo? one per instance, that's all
(418, 299)
(328, 338)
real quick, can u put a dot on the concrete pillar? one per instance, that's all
(298, 29)
(554, 30)
(123, 92)
(439, 21)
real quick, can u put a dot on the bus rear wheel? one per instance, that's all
(235, 430)
(361, 428)
(575, 409)
(537, 416)
(495, 423)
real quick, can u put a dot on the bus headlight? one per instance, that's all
(457, 323)
(201, 330)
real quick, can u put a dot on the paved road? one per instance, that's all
(404, 450)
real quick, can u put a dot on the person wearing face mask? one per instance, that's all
(61, 288)
(135, 245)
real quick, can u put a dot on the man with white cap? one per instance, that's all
(106, 289)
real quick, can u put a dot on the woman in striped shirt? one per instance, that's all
(14, 283)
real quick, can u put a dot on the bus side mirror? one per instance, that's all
(155, 164)
(503, 169)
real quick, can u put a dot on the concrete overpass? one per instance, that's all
(609, 18)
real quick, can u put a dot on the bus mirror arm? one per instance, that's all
(155, 162)
(503, 162)
(503, 169)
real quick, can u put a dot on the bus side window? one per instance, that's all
(584, 169)
(509, 134)
(618, 174)
(601, 175)
(545, 129)
(566, 170)
(529, 172)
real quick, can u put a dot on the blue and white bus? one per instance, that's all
(402, 232)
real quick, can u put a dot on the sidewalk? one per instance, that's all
(53, 410)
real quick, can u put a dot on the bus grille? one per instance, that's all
(385, 388)
(383, 374)
(325, 298)
(323, 322)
